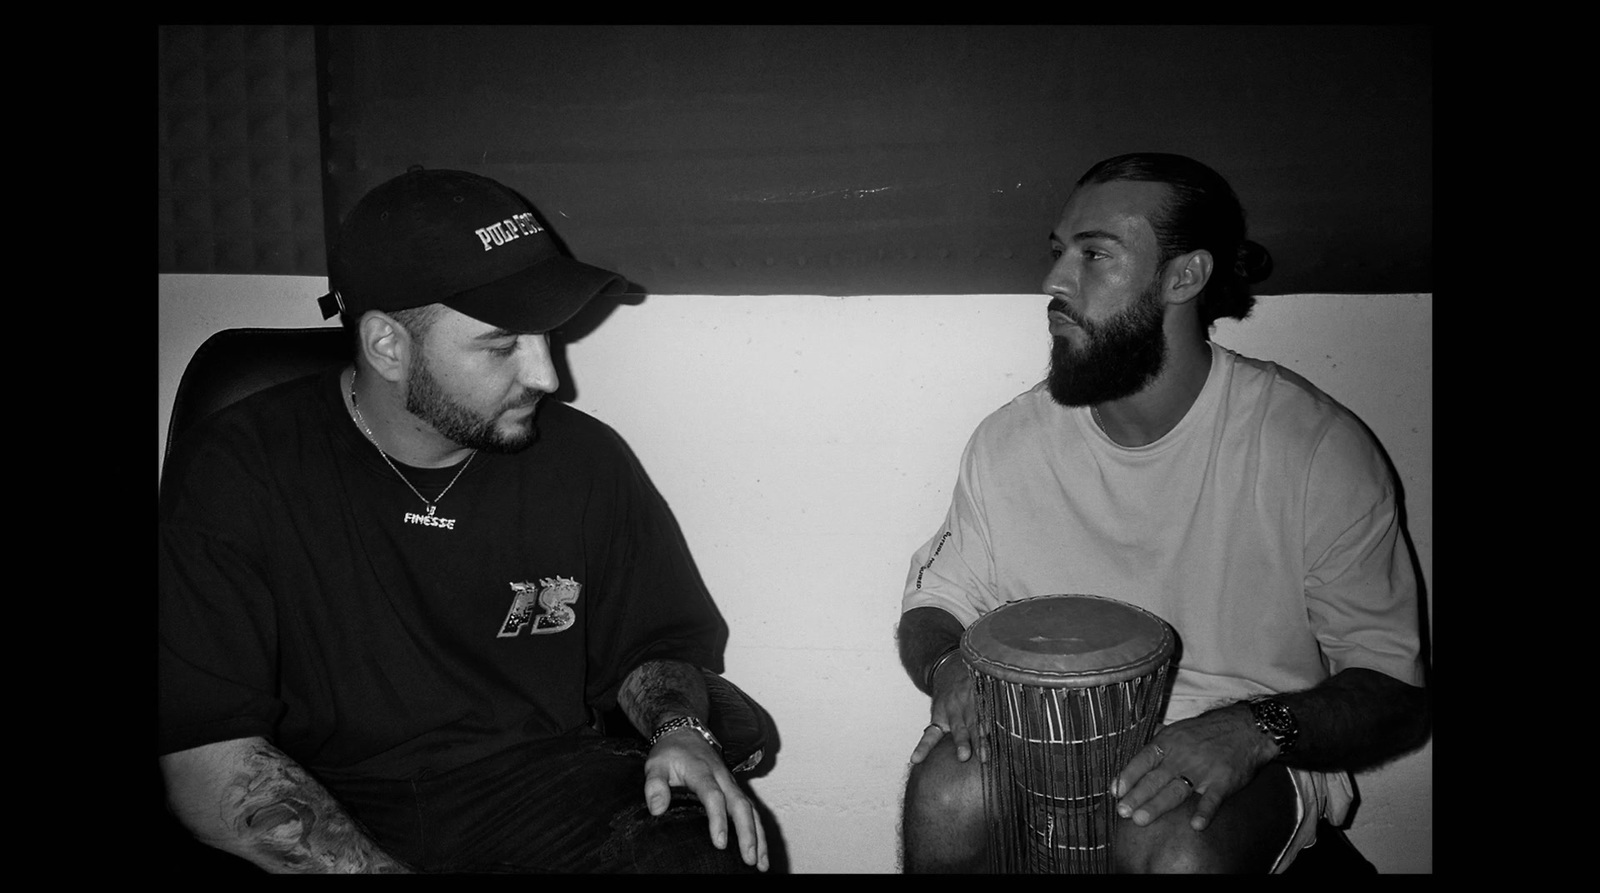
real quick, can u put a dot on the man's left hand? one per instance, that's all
(1213, 755)
(684, 759)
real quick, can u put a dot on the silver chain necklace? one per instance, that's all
(430, 519)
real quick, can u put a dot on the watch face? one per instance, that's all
(1276, 720)
(1272, 713)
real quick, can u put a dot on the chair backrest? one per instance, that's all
(235, 363)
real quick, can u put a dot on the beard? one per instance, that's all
(1119, 357)
(426, 400)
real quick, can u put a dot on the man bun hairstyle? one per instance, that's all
(1200, 211)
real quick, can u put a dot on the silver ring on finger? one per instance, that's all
(1185, 780)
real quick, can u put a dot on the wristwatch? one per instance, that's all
(686, 722)
(1275, 721)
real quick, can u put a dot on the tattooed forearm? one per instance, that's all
(659, 688)
(284, 821)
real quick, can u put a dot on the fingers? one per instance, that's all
(657, 793)
(719, 794)
(1212, 755)
(930, 737)
(716, 807)
(725, 802)
(1205, 809)
(953, 715)
(747, 825)
(1149, 757)
(1163, 796)
(1147, 789)
(961, 736)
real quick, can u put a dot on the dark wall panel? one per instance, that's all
(876, 160)
(238, 150)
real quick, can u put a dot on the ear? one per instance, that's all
(1187, 275)
(384, 345)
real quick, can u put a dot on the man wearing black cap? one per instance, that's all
(392, 595)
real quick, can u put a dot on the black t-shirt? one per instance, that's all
(307, 597)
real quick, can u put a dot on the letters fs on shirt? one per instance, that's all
(545, 608)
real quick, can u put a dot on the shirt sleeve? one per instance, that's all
(1360, 584)
(216, 627)
(653, 603)
(954, 571)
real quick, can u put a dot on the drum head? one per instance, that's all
(1067, 640)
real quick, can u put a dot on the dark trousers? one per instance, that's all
(572, 805)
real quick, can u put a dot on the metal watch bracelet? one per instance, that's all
(686, 722)
(1275, 720)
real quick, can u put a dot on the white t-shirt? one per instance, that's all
(1263, 527)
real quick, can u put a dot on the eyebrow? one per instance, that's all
(1089, 234)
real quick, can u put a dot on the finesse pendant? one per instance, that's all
(430, 520)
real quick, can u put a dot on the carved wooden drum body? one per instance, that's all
(1068, 688)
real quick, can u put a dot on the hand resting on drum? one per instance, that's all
(1217, 753)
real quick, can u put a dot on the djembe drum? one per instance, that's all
(1067, 689)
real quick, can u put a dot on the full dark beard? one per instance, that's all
(426, 400)
(1120, 356)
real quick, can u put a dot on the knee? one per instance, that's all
(675, 842)
(1161, 848)
(1170, 846)
(942, 827)
(1244, 836)
(942, 785)
(1178, 854)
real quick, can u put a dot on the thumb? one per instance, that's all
(657, 794)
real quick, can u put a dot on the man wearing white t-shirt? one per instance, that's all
(1224, 494)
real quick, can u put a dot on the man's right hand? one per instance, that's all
(684, 759)
(953, 714)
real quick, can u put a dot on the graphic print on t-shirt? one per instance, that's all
(545, 608)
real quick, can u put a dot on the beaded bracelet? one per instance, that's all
(934, 670)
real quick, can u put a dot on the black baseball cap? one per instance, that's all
(462, 240)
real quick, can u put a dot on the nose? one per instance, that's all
(538, 372)
(1062, 279)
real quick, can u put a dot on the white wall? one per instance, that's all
(808, 444)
